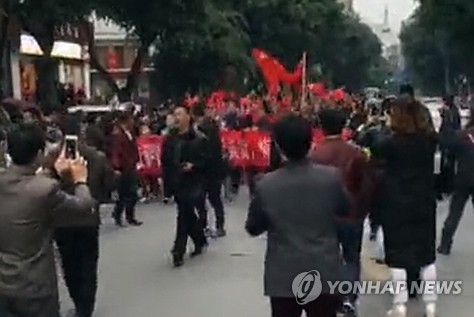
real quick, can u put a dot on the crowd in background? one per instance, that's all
(387, 173)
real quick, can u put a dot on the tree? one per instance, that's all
(436, 43)
(210, 52)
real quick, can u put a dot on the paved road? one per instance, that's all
(137, 279)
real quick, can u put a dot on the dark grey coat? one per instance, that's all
(30, 205)
(297, 206)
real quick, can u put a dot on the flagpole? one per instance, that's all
(303, 79)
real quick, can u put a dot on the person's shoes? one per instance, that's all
(444, 250)
(135, 223)
(220, 233)
(397, 311)
(118, 221)
(208, 232)
(199, 251)
(349, 309)
(178, 260)
(430, 310)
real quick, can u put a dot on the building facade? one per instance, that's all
(116, 50)
(70, 51)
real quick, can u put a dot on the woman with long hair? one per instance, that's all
(408, 211)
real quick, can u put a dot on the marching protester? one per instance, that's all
(461, 145)
(28, 287)
(369, 136)
(450, 125)
(124, 160)
(214, 172)
(353, 167)
(408, 214)
(300, 239)
(184, 160)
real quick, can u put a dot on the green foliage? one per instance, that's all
(437, 43)
(339, 47)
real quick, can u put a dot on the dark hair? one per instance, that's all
(123, 117)
(199, 110)
(186, 109)
(407, 89)
(332, 121)
(293, 135)
(24, 142)
(449, 100)
(410, 117)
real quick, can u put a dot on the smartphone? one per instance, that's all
(71, 147)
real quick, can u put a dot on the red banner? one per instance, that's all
(149, 150)
(234, 147)
(258, 147)
(244, 149)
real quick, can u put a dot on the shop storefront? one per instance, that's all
(72, 59)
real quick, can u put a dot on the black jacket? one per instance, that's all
(215, 166)
(461, 146)
(190, 147)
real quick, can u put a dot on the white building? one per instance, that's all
(391, 48)
(116, 50)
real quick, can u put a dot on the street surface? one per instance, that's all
(136, 278)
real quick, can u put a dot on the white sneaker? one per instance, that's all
(397, 311)
(430, 311)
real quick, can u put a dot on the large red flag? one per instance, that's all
(271, 68)
(295, 78)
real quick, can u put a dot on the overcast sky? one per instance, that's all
(373, 10)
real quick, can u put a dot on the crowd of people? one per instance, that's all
(311, 201)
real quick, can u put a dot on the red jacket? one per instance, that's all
(124, 154)
(354, 168)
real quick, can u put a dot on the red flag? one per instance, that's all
(216, 100)
(271, 68)
(318, 89)
(339, 94)
(295, 78)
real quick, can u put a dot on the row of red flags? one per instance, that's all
(275, 75)
(244, 148)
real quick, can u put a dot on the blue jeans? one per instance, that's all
(350, 239)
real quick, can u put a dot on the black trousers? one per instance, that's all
(187, 223)
(212, 191)
(79, 250)
(456, 211)
(235, 178)
(323, 306)
(127, 191)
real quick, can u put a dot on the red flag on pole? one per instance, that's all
(271, 68)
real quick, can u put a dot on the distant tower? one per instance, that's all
(386, 22)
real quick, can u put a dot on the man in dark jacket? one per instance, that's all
(184, 160)
(303, 239)
(353, 166)
(450, 125)
(79, 246)
(214, 172)
(462, 147)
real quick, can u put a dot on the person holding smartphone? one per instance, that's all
(35, 200)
